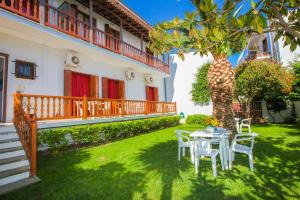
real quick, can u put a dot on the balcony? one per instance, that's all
(72, 26)
(63, 107)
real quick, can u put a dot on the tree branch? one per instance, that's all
(284, 24)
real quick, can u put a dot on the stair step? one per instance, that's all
(8, 136)
(12, 154)
(13, 165)
(10, 144)
(9, 140)
(18, 185)
(14, 178)
(12, 159)
(14, 171)
(10, 149)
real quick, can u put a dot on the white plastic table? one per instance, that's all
(224, 144)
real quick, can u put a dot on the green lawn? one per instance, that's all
(146, 167)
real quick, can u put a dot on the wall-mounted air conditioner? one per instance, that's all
(149, 79)
(130, 75)
(72, 60)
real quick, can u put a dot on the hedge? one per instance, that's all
(204, 120)
(58, 138)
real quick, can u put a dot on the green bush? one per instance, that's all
(204, 120)
(57, 138)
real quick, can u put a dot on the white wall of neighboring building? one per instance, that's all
(179, 84)
(50, 67)
(285, 53)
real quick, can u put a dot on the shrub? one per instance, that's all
(204, 120)
(57, 138)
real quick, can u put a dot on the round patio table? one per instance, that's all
(219, 133)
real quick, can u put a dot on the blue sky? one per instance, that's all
(161, 10)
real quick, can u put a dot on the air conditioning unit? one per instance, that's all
(72, 60)
(130, 75)
(149, 79)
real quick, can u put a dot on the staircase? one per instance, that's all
(14, 166)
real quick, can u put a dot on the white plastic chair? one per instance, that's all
(203, 148)
(238, 148)
(245, 123)
(237, 124)
(183, 144)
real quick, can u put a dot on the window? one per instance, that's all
(113, 89)
(25, 70)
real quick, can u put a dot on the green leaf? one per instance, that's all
(279, 35)
(204, 31)
(218, 34)
(293, 46)
(176, 21)
(253, 5)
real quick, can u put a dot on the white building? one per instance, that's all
(179, 85)
(71, 62)
(50, 49)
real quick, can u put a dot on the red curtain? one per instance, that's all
(113, 89)
(80, 85)
(151, 94)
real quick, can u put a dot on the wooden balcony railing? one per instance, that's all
(26, 127)
(66, 23)
(25, 8)
(62, 107)
(71, 25)
(107, 41)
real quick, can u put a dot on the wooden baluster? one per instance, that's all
(85, 108)
(28, 7)
(20, 5)
(42, 107)
(35, 106)
(59, 107)
(122, 107)
(28, 104)
(48, 107)
(74, 113)
(53, 104)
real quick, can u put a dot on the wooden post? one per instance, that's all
(122, 107)
(121, 36)
(42, 12)
(146, 107)
(85, 108)
(91, 22)
(163, 107)
(175, 108)
(33, 157)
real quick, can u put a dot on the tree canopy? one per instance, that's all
(295, 94)
(284, 17)
(200, 90)
(207, 30)
(263, 79)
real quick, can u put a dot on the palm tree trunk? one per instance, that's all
(221, 83)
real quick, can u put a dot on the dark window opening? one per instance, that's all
(25, 70)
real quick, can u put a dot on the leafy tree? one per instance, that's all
(284, 18)
(295, 94)
(200, 91)
(214, 30)
(263, 79)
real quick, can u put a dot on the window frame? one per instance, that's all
(32, 68)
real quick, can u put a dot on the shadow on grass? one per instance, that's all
(162, 158)
(69, 177)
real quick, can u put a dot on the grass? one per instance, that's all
(146, 167)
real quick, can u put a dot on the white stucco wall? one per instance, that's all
(179, 84)
(286, 55)
(50, 67)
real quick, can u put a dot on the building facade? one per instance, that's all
(97, 49)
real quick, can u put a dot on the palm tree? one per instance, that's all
(218, 31)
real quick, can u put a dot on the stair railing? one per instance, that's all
(26, 127)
